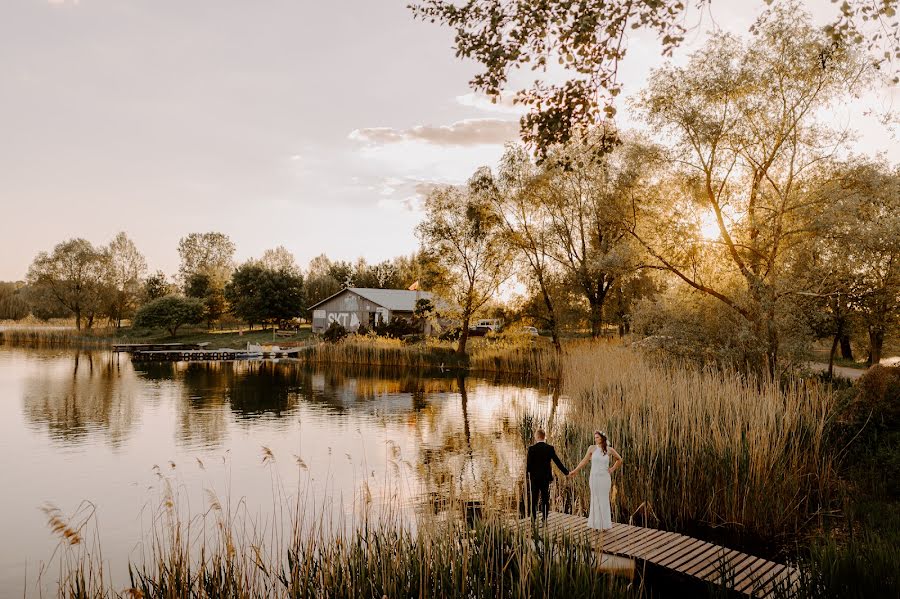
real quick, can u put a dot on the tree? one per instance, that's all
(747, 152)
(156, 286)
(860, 249)
(259, 295)
(211, 292)
(589, 39)
(210, 254)
(126, 267)
(461, 232)
(279, 258)
(13, 305)
(517, 196)
(169, 313)
(320, 283)
(587, 197)
(72, 277)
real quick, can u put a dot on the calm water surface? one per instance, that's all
(93, 426)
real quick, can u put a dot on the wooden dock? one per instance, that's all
(745, 574)
(136, 347)
(214, 355)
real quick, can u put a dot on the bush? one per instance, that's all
(170, 313)
(335, 332)
(397, 328)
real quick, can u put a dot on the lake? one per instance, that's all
(93, 426)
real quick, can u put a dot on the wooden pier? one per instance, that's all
(136, 347)
(741, 573)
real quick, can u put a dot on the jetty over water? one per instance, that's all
(706, 562)
(136, 347)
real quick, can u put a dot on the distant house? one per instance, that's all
(359, 306)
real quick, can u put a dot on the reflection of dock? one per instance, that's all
(253, 352)
(746, 574)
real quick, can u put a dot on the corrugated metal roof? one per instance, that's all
(395, 300)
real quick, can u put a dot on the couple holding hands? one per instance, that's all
(539, 474)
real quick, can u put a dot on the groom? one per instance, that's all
(540, 474)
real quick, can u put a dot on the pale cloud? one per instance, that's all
(403, 193)
(469, 132)
(481, 102)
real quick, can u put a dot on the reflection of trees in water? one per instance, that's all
(474, 456)
(212, 390)
(74, 395)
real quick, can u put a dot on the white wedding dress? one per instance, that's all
(600, 516)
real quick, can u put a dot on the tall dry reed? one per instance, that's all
(304, 549)
(56, 337)
(702, 447)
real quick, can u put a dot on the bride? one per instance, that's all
(598, 455)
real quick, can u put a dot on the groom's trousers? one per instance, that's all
(540, 498)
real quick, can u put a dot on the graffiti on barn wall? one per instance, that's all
(348, 320)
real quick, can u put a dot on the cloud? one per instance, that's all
(402, 193)
(469, 132)
(482, 102)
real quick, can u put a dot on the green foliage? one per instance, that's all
(259, 295)
(156, 286)
(13, 305)
(461, 232)
(397, 328)
(335, 332)
(169, 313)
(72, 278)
(206, 253)
(589, 39)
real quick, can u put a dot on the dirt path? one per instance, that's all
(851, 373)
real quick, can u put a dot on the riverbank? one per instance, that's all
(526, 356)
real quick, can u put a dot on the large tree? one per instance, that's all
(587, 196)
(860, 246)
(73, 277)
(587, 39)
(210, 254)
(126, 267)
(517, 195)
(207, 260)
(746, 149)
(260, 295)
(462, 233)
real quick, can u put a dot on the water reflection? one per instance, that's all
(80, 394)
(359, 434)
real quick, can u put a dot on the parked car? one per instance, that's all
(493, 324)
(480, 330)
(530, 331)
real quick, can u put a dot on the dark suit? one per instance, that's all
(540, 475)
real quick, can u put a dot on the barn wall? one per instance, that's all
(348, 309)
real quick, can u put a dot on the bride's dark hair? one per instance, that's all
(602, 441)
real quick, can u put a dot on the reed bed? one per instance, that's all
(56, 337)
(304, 551)
(506, 356)
(703, 448)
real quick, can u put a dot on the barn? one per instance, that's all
(355, 306)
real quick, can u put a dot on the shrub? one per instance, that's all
(335, 332)
(170, 313)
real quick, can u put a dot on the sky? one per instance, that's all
(313, 125)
